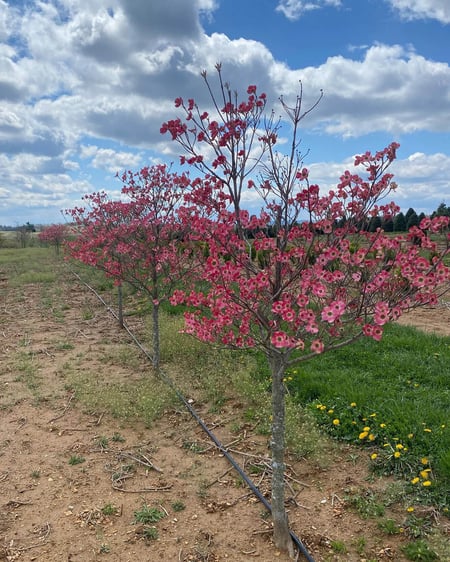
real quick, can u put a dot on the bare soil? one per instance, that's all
(51, 510)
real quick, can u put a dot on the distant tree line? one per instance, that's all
(402, 222)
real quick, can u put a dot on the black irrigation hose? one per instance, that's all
(202, 424)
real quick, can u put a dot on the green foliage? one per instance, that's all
(419, 551)
(178, 505)
(390, 397)
(147, 514)
(389, 526)
(109, 509)
(366, 504)
(76, 459)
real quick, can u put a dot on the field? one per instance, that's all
(100, 461)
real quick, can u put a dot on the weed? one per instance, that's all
(102, 442)
(148, 514)
(36, 474)
(419, 551)
(109, 509)
(104, 549)
(360, 545)
(64, 346)
(338, 546)
(389, 526)
(178, 505)
(76, 459)
(150, 533)
(118, 438)
(203, 489)
(366, 505)
(193, 446)
(417, 527)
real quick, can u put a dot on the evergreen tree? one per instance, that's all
(399, 223)
(388, 225)
(412, 220)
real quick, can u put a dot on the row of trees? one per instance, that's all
(309, 281)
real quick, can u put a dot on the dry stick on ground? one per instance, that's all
(146, 462)
(71, 397)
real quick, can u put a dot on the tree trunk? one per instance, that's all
(155, 328)
(120, 304)
(281, 535)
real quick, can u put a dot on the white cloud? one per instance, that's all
(390, 89)
(110, 160)
(294, 9)
(423, 9)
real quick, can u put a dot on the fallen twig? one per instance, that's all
(71, 397)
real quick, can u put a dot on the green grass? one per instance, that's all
(392, 397)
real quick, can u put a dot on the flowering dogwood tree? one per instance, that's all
(55, 235)
(299, 278)
(136, 240)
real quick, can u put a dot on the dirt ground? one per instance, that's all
(52, 510)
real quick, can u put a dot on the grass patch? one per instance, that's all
(391, 397)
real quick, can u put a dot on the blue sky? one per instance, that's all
(85, 86)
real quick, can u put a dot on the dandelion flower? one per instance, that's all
(330, 411)
(336, 422)
(415, 480)
(397, 454)
(410, 435)
(353, 404)
(426, 483)
(424, 473)
(371, 437)
(373, 456)
(410, 509)
(424, 460)
(382, 425)
(399, 446)
(366, 428)
(363, 435)
(427, 430)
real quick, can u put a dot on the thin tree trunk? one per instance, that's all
(281, 535)
(155, 327)
(120, 305)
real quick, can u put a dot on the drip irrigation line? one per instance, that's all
(301, 547)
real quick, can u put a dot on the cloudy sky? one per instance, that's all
(85, 86)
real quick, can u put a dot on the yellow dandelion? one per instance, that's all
(366, 428)
(363, 434)
(426, 483)
(410, 509)
(373, 456)
(415, 480)
(424, 473)
(372, 416)
(330, 411)
(336, 422)
(424, 460)
(397, 454)
(371, 437)
(399, 446)
(353, 404)
(427, 430)
(410, 435)
(382, 425)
